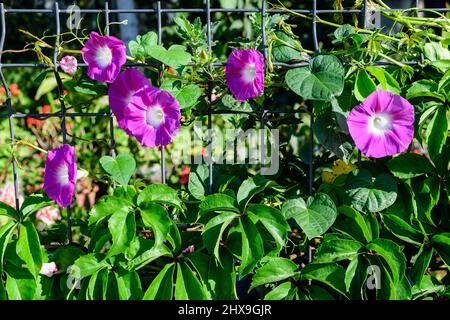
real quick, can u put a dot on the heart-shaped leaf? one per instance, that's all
(120, 168)
(371, 195)
(175, 57)
(321, 80)
(315, 216)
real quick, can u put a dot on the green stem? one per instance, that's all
(396, 62)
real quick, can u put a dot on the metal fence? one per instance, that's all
(159, 10)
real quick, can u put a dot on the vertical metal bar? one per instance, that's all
(263, 111)
(9, 106)
(61, 101)
(209, 149)
(163, 159)
(364, 27)
(311, 123)
(112, 142)
(422, 58)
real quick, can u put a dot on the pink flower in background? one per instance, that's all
(122, 90)
(49, 215)
(48, 269)
(244, 72)
(69, 64)
(382, 125)
(184, 177)
(189, 249)
(153, 117)
(60, 175)
(7, 195)
(104, 56)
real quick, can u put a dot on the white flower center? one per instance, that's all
(155, 116)
(249, 73)
(63, 175)
(104, 56)
(379, 123)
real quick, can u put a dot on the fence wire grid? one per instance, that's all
(159, 10)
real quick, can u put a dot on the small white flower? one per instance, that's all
(48, 269)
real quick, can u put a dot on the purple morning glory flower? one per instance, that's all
(60, 175)
(382, 125)
(122, 90)
(153, 117)
(244, 72)
(104, 56)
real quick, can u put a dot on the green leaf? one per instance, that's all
(441, 243)
(141, 48)
(429, 285)
(333, 250)
(7, 210)
(385, 79)
(282, 291)
(106, 207)
(213, 231)
(160, 193)
(364, 85)
(90, 87)
(155, 217)
(401, 229)
(218, 202)
(330, 136)
(354, 224)
(421, 264)
(330, 274)
(315, 217)
(6, 232)
(409, 165)
(86, 266)
(284, 53)
(198, 181)
(33, 203)
(29, 247)
(436, 133)
(321, 80)
(273, 220)
(392, 254)
(123, 229)
(252, 246)
(249, 188)
(128, 285)
(49, 84)
(424, 88)
(20, 287)
(435, 51)
(161, 287)
(175, 57)
(187, 286)
(187, 95)
(276, 269)
(148, 256)
(371, 196)
(120, 168)
(222, 277)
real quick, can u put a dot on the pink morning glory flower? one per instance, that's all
(49, 215)
(60, 175)
(104, 56)
(122, 90)
(382, 125)
(69, 64)
(153, 117)
(48, 269)
(244, 72)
